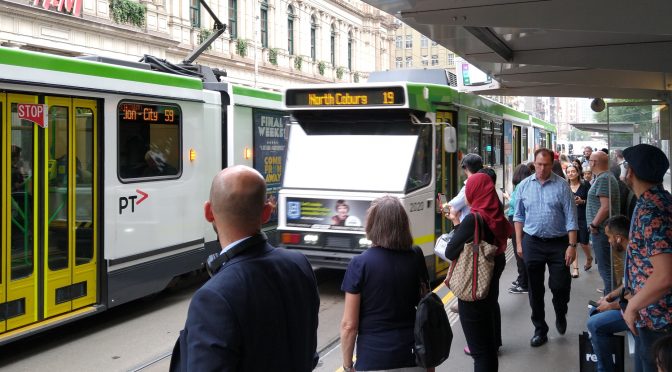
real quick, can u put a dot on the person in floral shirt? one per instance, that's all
(648, 271)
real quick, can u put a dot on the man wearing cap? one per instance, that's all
(648, 267)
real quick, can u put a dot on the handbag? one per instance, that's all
(469, 276)
(442, 244)
(432, 333)
(588, 359)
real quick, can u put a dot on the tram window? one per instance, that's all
(421, 167)
(473, 136)
(486, 142)
(84, 179)
(497, 142)
(149, 141)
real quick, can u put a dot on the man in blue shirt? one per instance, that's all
(546, 234)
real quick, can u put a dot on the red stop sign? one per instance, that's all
(36, 113)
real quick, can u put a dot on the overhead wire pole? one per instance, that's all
(219, 28)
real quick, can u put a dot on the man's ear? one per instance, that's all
(266, 213)
(207, 209)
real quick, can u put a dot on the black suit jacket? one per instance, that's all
(258, 313)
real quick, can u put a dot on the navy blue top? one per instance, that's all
(582, 192)
(389, 284)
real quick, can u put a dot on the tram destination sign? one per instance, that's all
(345, 97)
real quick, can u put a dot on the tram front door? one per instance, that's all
(48, 264)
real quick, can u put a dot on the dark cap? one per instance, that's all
(648, 162)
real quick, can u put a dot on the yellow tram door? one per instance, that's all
(445, 168)
(70, 194)
(19, 223)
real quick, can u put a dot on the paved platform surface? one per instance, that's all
(560, 354)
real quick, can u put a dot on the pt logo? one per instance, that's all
(132, 200)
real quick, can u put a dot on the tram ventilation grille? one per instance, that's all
(339, 242)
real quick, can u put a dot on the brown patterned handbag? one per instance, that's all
(469, 276)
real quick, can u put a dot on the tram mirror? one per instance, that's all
(449, 139)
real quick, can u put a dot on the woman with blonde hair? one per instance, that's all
(382, 288)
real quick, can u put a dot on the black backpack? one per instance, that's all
(433, 335)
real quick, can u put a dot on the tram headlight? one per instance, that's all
(311, 239)
(364, 243)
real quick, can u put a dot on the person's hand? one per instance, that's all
(577, 200)
(570, 255)
(604, 305)
(519, 249)
(454, 216)
(631, 316)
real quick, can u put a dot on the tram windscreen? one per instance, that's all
(360, 151)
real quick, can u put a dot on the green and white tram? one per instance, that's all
(105, 168)
(349, 144)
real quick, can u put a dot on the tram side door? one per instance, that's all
(70, 192)
(445, 183)
(19, 193)
(48, 258)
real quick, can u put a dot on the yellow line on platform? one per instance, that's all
(447, 297)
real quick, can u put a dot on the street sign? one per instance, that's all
(37, 113)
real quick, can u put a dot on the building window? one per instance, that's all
(290, 30)
(433, 43)
(233, 18)
(425, 60)
(350, 50)
(195, 10)
(451, 59)
(313, 34)
(399, 62)
(409, 61)
(264, 24)
(424, 41)
(398, 42)
(409, 41)
(435, 59)
(333, 45)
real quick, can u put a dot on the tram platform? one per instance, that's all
(560, 354)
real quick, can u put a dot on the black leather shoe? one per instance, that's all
(561, 325)
(537, 341)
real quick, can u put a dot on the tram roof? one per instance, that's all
(560, 48)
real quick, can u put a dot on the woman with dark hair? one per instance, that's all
(580, 190)
(557, 169)
(379, 311)
(519, 286)
(481, 320)
(662, 351)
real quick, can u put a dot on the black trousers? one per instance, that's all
(520, 263)
(482, 323)
(537, 254)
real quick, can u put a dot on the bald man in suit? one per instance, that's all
(259, 311)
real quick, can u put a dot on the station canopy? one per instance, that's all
(554, 48)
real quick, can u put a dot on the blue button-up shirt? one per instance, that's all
(546, 210)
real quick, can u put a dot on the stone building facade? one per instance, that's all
(268, 43)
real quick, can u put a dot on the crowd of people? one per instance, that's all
(263, 298)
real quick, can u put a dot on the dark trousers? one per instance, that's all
(537, 254)
(520, 263)
(482, 324)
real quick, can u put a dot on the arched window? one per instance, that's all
(333, 44)
(233, 19)
(290, 30)
(264, 23)
(350, 41)
(313, 32)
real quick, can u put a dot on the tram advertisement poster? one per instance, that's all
(333, 214)
(270, 142)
